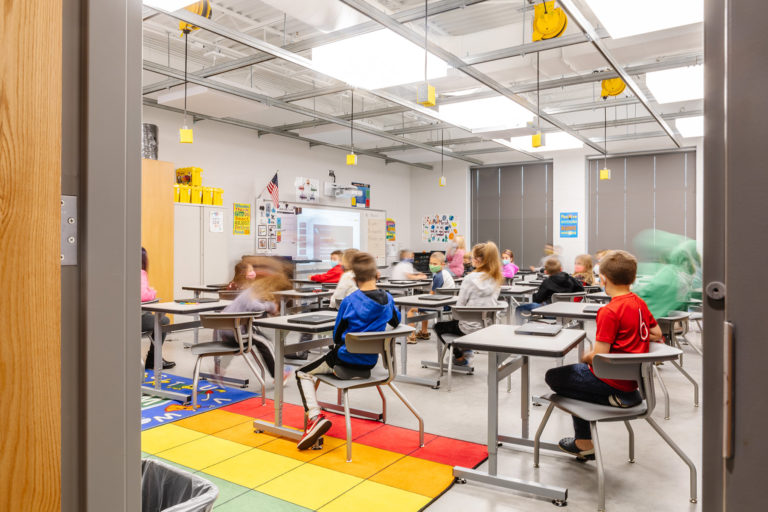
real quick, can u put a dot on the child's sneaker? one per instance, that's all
(568, 445)
(317, 426)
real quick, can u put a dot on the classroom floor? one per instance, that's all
(658, 480)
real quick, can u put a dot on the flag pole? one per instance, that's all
(277, 172)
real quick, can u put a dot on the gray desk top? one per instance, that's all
(174, 308)
(418, 301)
(501, 338)
(566, 310)
(202, 288)
(518, 289)
(295, 294)
(282, 323)
(449, 291)
(599, 296)
(403, 286)
(304, 281)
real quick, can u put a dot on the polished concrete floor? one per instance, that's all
(657, 481)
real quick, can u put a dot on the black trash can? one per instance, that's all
(169, 489)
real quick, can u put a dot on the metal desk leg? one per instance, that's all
(157, 344)
(403, 375)
(282, 306)
(558, 494)
(277, 427)
(525, 399)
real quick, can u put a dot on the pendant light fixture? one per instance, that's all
(352, 157)
(605, 172)
(425, 93)
(538, 139)
(442, 158)
(185, 134)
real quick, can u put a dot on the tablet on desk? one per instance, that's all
(539, 329)
(435, 297)
(198, 300)
(312, 319)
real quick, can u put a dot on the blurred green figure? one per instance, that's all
(674, 267)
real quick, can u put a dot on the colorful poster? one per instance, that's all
(364, 200)
(390, 230)
(307, 190)
(241, 219)
(439, 228)
(569, 224)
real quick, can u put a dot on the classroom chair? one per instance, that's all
(637, 367)
(592, 289)
(569, 297)
(486, 315)
(231, 322)
(382, 343)
(675, 322)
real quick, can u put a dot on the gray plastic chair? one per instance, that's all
(382, 343)
(637, 367)
(670, 324)
(590, 288)
(568, 297)
(486, 315)
(231, 322)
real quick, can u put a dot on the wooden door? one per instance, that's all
(157, 180)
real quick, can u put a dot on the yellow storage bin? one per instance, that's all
(207, 195)
(176, 193)
(185, 193)
(197, 195)
(189, 176)
(218, 200)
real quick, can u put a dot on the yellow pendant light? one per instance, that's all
(612, 87)
(351, 156)
(201, 8)
(185, 134)
(548, 22)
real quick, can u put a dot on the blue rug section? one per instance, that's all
(159, 411)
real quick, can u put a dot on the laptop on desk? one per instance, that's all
(539, 329)
(592, 308)
(309, 289)
(435, 297)
(197, 300)
(314, 319)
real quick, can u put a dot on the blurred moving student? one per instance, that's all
(367, 309)
(244, 276)
(596, 268)
(441, 278)
(148, 319)
(347, 284)
(582, 269)
(556, 281)
(549, 251)
(404, 270)
(624, 325)
(478, 289)
(455, 255)
(334, 274)
(508, 268)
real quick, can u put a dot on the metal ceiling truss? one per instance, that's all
(589, 30)
(405, 16)
(385, 20)
(528, 48)
(261, 129)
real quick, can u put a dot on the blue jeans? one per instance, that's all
(525, 307)
(578, 382)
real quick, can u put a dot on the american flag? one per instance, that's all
(274, 191)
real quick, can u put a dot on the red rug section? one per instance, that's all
(444, 450)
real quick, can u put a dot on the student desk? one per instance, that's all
(417, 301)
(408, 287)
(599, 297)
(282, 328)
(448, 291)
(207, 288)
(299, 283)
(573, 310)
(286, 295)
(501, 342)
(161, 309)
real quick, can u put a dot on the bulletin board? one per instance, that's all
(439, 228)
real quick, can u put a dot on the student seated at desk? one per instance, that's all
(333, 275)
(244, 276)
(624, 325)
(404, 270)
(148, 319)
(479, 288)
(441, 278)
(456, 254)
(368, 309)
(508, 269)
(347, 283)
(582, 269)
(258, 298)
(556, 281)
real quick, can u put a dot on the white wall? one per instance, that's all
(429, 198)
(242, 164)
(569, 194)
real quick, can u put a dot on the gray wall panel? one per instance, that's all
(535, 210)
(670, 192)
(639, 196)
(511, 221)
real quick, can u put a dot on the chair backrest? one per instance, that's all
(229, 294)
(568, 297)
(235, 322)
(378, 342)
(637, 367)
(592, 289)
(485, 315)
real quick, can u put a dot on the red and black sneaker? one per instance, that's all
(317, 426)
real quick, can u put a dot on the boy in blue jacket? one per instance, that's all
(368, 309)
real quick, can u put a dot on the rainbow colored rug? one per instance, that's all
(253, 471)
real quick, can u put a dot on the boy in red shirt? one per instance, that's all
(625, 325)
(333, 275)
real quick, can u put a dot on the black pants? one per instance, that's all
(578, 382)
(449, 327)
(148, 328)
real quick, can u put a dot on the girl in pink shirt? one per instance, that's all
(509, 269)
(148, 319)
(455, 257)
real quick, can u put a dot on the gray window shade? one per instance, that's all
(644, 192)
(521, 196)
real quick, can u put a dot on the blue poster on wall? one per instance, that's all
(569, 224)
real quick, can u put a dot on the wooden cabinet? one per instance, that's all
(157, 219)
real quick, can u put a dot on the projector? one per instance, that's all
(339, 190)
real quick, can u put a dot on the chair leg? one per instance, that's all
(412, 409)
(509, 383)
(195, 382)
(257, 374)
(680, 454)
(663, 390)
(600, 469)
(383, 404)
(691, 379)
(348, 424)
(537, 439)
(449, 349)
(693, 346)
(631, 442)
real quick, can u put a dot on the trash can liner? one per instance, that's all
(169, 489)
